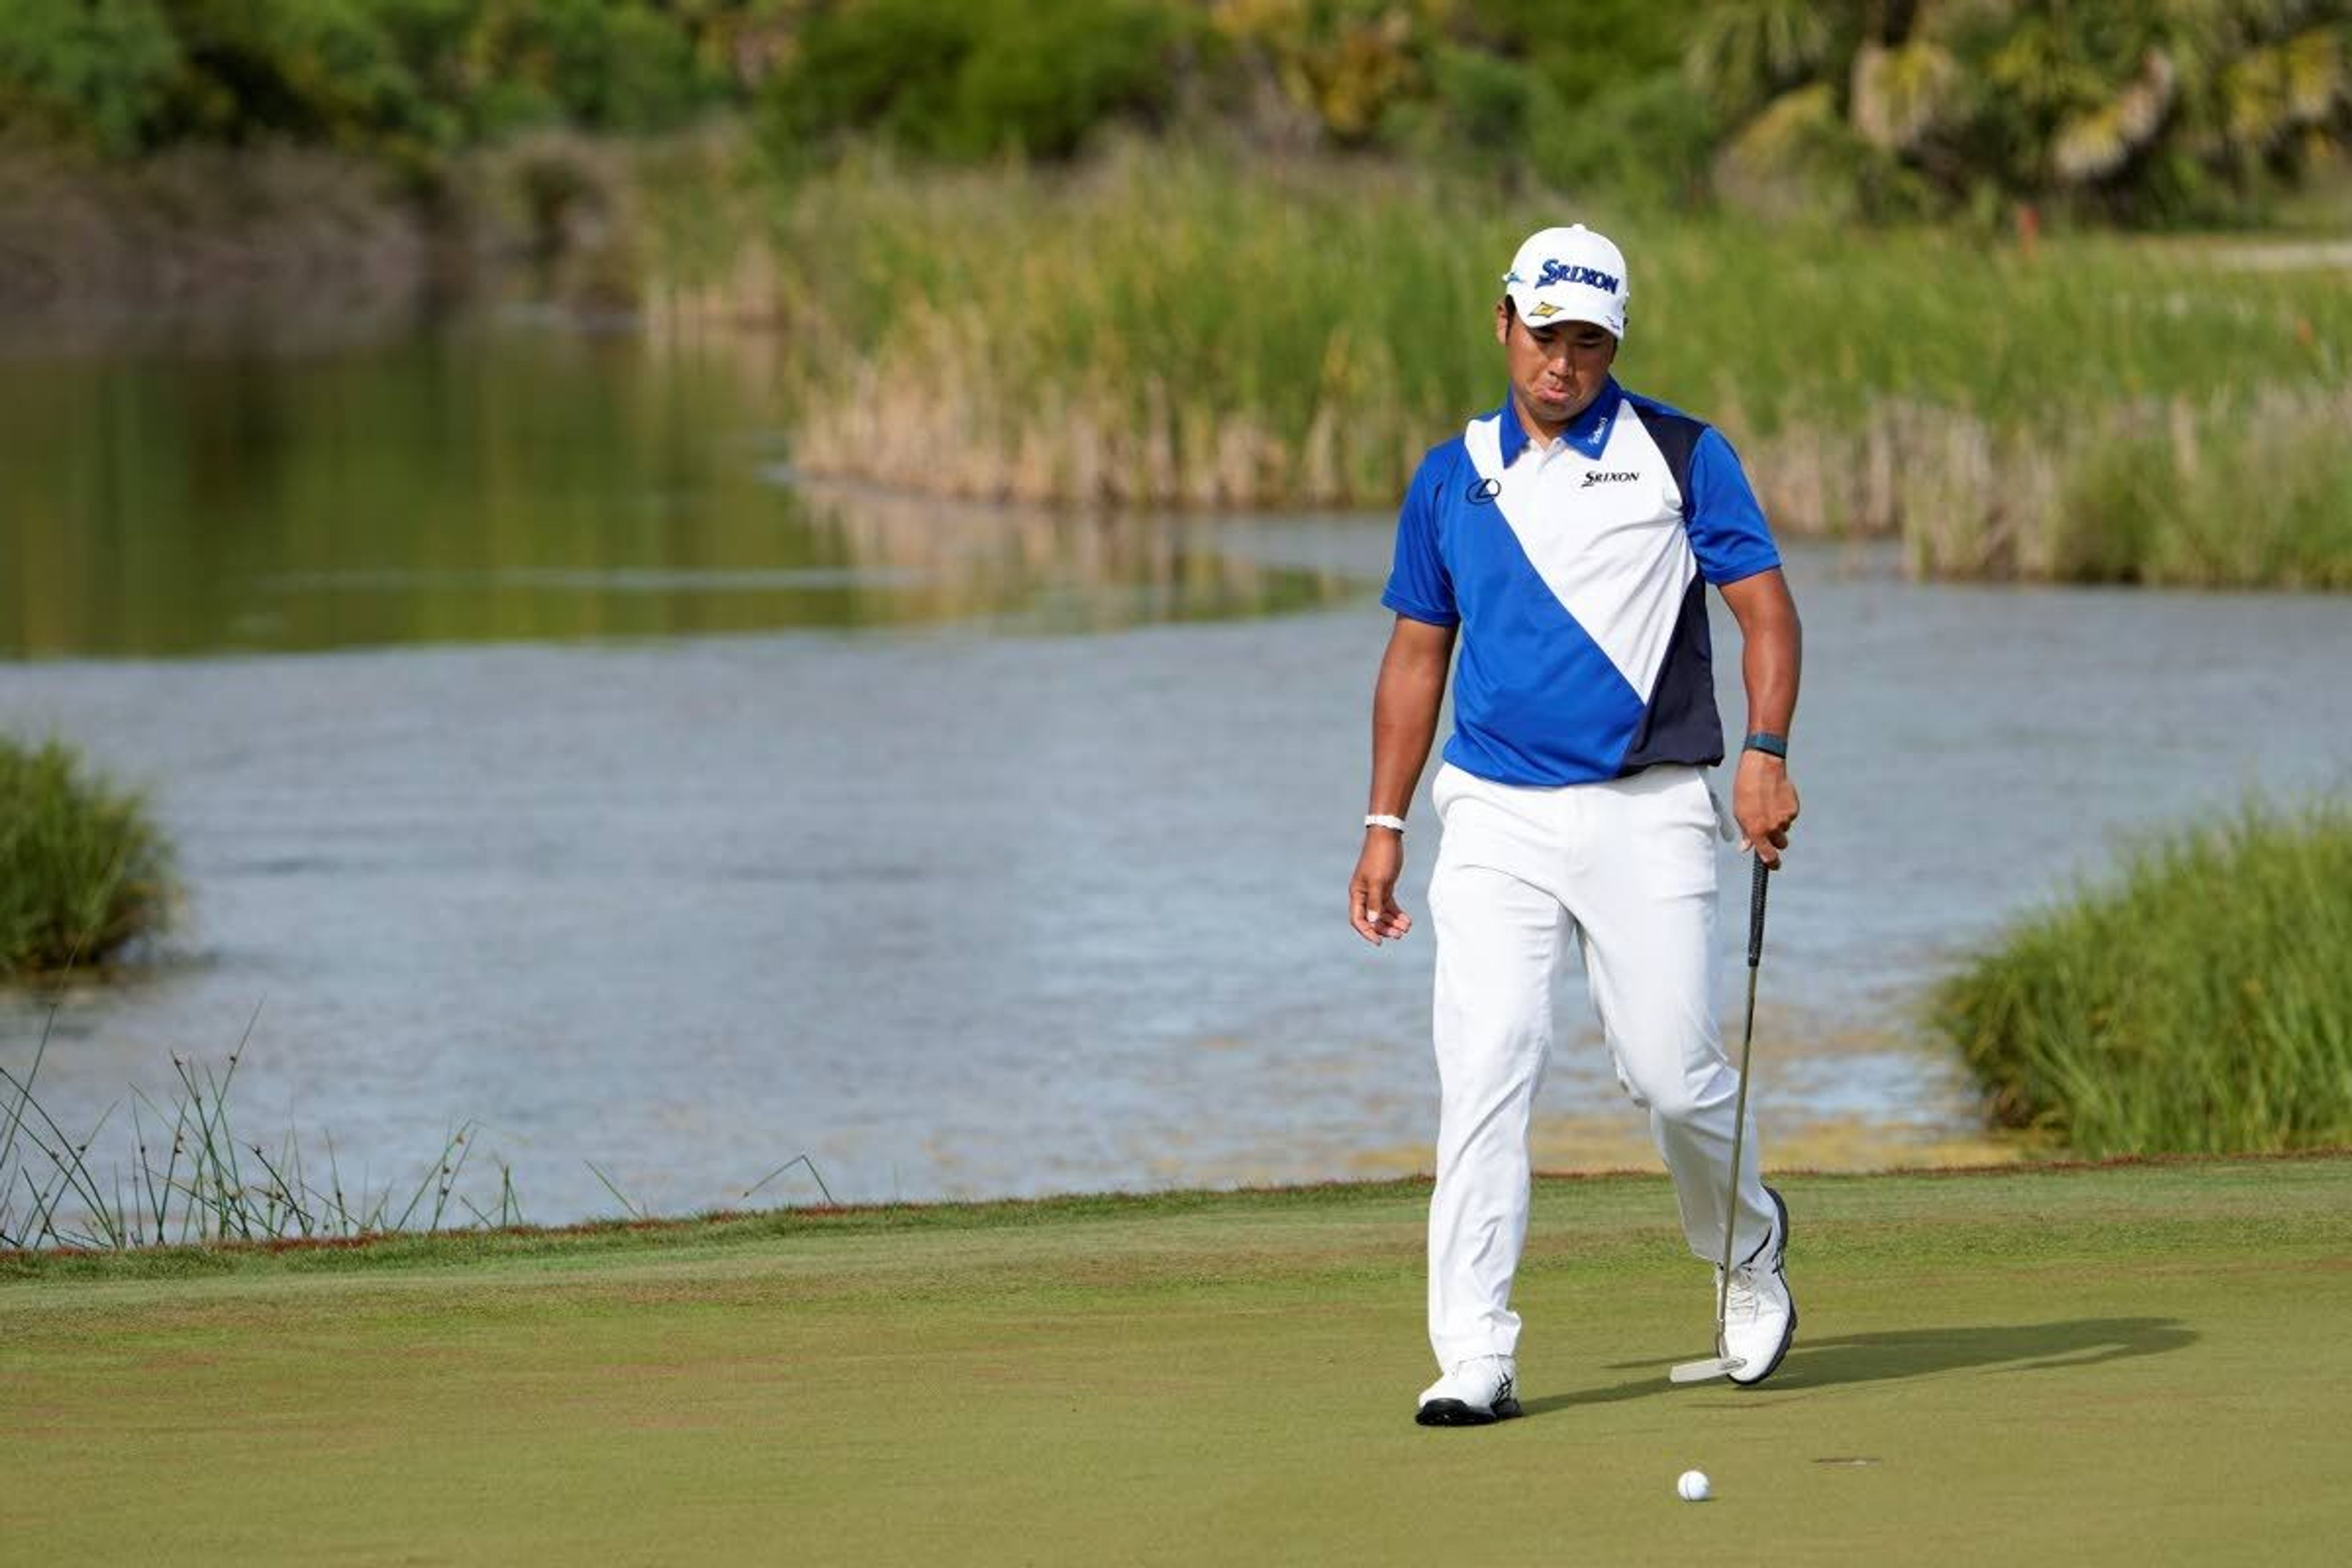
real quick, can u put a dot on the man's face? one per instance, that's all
(1558, 370)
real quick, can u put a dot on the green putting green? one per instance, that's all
(2123, 1364)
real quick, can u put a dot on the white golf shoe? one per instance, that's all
(1759, 1318)
(1476, 1393)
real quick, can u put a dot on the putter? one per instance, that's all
(1717, 1364)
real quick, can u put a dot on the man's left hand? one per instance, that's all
(1764, 802)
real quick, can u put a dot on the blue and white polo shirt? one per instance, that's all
(1578, 575)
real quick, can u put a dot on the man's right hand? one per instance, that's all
(1405, 702)
(1372, 896)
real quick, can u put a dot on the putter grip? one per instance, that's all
(1755, 891)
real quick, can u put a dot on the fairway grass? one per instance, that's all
(2130, 1363)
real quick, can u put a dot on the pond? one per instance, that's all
(544, 754)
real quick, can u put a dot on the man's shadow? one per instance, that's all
(1916, 1352)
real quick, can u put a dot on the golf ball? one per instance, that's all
(1691, 1486)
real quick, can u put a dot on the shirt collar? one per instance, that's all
(1588, 432)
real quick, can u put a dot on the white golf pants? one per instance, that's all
(1624, 869)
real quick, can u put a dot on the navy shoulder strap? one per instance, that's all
(1676, 435)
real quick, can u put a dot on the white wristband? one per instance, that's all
(1379, 819)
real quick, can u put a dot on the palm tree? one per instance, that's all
(1900, 94)
(1745, 52)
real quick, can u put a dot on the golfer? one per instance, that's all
(1566, 541)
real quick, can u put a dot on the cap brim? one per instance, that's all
(1563, 306)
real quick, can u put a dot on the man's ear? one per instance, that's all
(1503, 319)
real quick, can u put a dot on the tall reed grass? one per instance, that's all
(1169, 326)
(2200, 1004)
(195, 1179)
(84, 868)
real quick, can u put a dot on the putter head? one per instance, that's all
(1707, 1371)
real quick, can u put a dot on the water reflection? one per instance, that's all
(1024, 569)
(511, 483)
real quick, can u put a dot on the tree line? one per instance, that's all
(2141, 112)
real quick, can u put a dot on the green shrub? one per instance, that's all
(1493, 102)
(96, 74)
(319, 72)
(2200, 1004)
(1636, 131)
(888, 67)
(84, 871)
(1650, 138)
(1038, 85)
(600, 64)
(404, 82)
(966, 82)
(1585, 54)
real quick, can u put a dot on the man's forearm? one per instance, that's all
(1405, 706)
(1772, 651)
(1770, 667)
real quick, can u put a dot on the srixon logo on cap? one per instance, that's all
(1562, 272)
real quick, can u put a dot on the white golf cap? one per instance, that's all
(1569, 275)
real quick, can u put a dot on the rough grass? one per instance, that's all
(2114, 1365)
(1169, 326)
(84, 868)
(2200, 1002)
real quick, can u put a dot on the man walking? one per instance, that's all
(1566, 540)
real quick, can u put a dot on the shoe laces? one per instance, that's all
(1492, 1371)
(1744, 1300)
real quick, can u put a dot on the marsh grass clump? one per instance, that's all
(84, 870)
(194, 1178)
(2201, 1003)
(185, 1174)
(1174, 326)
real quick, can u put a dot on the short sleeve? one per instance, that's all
(1727, 532)
(1419, 585)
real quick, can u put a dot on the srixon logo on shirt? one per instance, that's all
(1609, 477)
(1562, 272)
